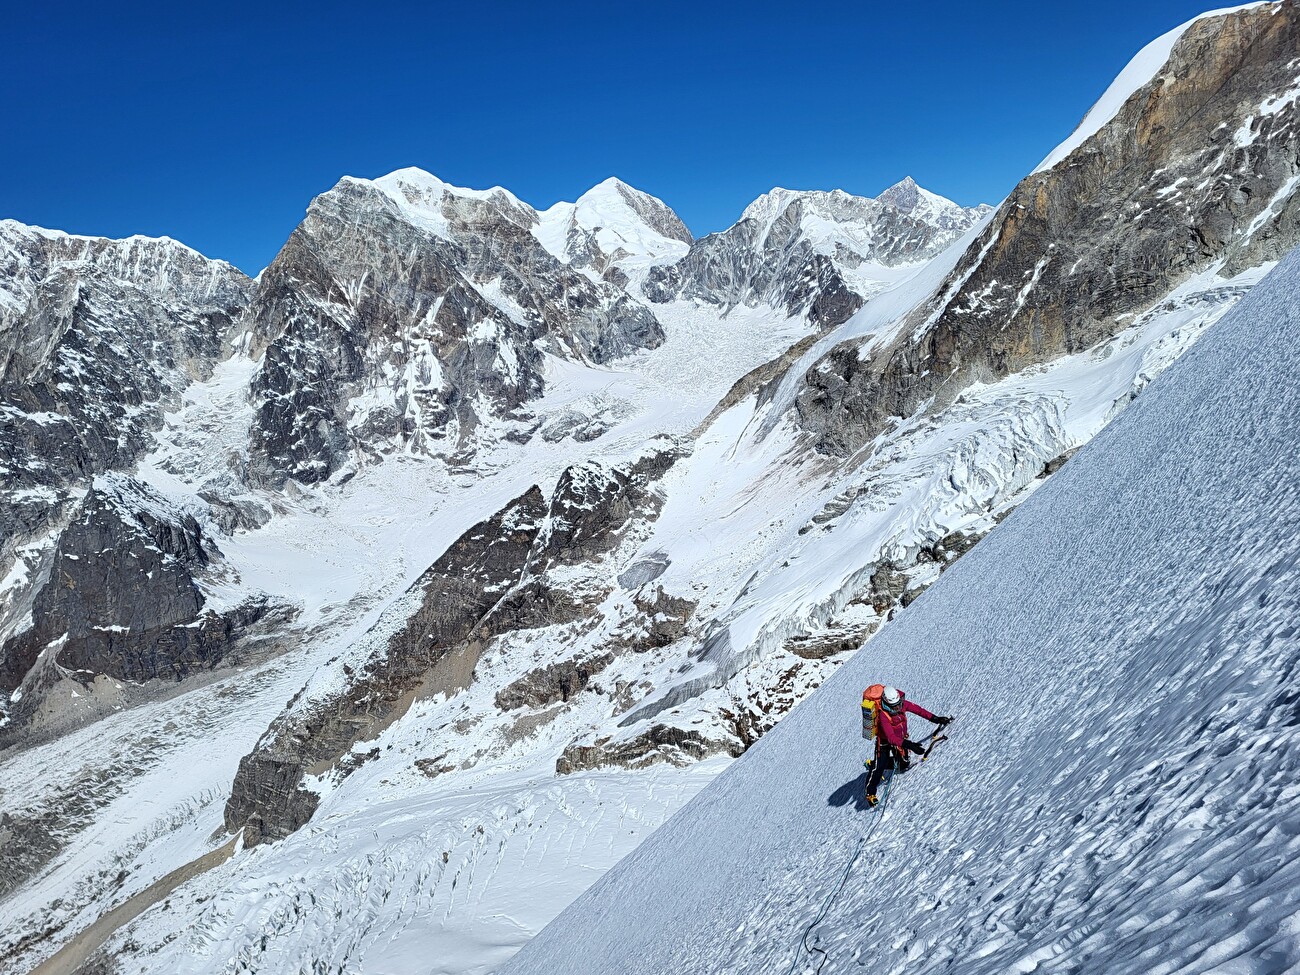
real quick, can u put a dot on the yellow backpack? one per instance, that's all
(871, 710)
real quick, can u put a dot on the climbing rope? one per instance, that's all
(931, 741)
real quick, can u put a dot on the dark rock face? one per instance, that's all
(96, 338)
(547, 685)
(491, 581)
(121, 598)
(122, 582)
(779, 253)
(405, 311)
(1193, 173)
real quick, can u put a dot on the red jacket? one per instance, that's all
(893, 727)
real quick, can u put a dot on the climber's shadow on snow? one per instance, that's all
(854, 792)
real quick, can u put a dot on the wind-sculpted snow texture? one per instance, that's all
(1198, 169)
(1120, 790)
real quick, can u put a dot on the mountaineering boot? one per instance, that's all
(872, 801)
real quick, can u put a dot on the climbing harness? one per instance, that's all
(934, 739)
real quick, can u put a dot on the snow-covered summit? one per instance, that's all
(613, 225)
(904, 197)
(609, 202)
(938, 211)
(424, 199)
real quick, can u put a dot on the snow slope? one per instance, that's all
(1120, 791)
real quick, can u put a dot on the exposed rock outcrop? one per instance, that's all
(554, 682)
(658, 743)
(1198, 170)
(494, 579)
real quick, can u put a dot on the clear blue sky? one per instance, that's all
(217, 123)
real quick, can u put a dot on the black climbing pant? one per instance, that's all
(888, 760)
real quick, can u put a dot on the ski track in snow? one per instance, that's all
(1119, 792)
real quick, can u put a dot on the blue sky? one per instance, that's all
(217, 124)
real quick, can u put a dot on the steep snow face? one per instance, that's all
(614, 231)
(816, 253)
(1119, 790)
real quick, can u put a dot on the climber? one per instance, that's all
(884, 718)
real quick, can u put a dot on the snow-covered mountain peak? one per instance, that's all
(611, 199)
(432, 204)
(767, 205)
(816, 252)
(412, 184)
(907, 197)
(613, 227)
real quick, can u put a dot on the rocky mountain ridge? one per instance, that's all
(97, 338)
(1078, 250)
(820, 254)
